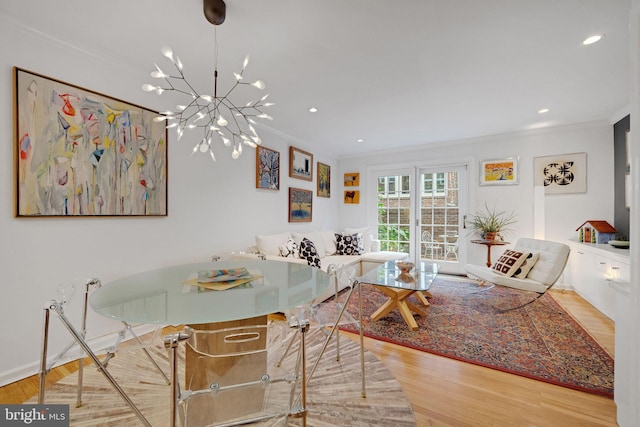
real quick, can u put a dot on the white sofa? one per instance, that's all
(268, 247)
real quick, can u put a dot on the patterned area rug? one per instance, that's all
(540, 341)
(333, 398)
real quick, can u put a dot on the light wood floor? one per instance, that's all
(444, 392)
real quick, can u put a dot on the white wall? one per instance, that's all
(214, 208)
(562, 213)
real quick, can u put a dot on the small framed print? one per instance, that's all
(300, 205)
(351, 179)
(324, 180)
(561, 173)
(499, 171)
(300, 164)
(267, 168)
(352, 197)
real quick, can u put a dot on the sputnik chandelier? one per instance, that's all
(215, 114)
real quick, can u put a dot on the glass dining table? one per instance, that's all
(388, 279)
(171, 296)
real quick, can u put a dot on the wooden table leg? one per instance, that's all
(422, 297)
(398, 299)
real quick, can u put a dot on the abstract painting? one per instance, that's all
(267, 168)
(324, 180)
(300, 205)
(300, 164)
(561, 174)
(80, 153)
(499, 172)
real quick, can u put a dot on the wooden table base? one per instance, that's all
(398, 299)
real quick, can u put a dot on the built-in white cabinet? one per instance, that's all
(593, 270)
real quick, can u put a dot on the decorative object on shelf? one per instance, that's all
(324, 180)
(267, 168)
(352, 197)
(596, 231)
(620, 244)
(81, 153)
(562, 173)
(300, 164)
(352, 179)
(215, 114)
(491, 222)
(499, 172)
(300, 205)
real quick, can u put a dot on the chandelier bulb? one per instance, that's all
(166, 51)
(222, 121)
(159, 119)
(235, 154)
(259, 84)
(159, 90)
(264, 116)
(239, 149)
(226, 142)
(178, 63)
(245, 63)
(181, 107)
(172, 125)
(268, 104)
(237, 76)
(207, 98)
(212, 156)
(203, 146)
(148, 88)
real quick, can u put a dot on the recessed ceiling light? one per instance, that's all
(313, 110)
(359, 140)
(543, 110)
(592, 39)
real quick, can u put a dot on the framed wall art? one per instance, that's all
(300, 164)
(300, 205)
(351, 179)
(562, 173)
(324, 180)
(499, 172)
(81, 153)
(267, 168)
(352, 197)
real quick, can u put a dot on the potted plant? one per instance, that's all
(490, 222)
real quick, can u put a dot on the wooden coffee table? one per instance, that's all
(385, 278)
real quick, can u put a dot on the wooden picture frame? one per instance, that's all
(80, 153)
(300, 164)
(562, 173)
(323, 181)
(267, 168)
(351, 197)
(499, 171)
(300, 205)
(352, 179)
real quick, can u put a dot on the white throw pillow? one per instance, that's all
(366, 236)
(329, 238)
(315, 237)
(268, 244)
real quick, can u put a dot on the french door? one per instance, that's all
(421, 212)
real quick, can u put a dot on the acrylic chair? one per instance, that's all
(231, 378)
(84, 342)
(328, 315)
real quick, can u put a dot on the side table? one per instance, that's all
(489, 244)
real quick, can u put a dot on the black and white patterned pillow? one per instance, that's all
(349, 244)
(308, 252)
(288, 248)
